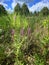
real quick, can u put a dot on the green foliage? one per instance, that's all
(17, 9)
(21, 10)
(45, 11)
(39, 60)
(4, 22)
(25, 9)
(2, 10)
(2, 55)
(24, 40)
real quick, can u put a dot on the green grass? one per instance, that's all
(28, 44)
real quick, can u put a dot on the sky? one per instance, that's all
(33, 5)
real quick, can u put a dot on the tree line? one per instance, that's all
(23, 10)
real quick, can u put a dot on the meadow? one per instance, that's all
(24, 40)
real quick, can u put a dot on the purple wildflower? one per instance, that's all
(29, 31)
(22, 31)
(12, 31)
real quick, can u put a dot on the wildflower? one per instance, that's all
(22, 31)
(12, 32)
(29, 31)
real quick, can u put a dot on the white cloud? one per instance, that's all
(4, 4)
(38, 6)
(14, 3)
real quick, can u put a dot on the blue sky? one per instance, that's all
(33, 5)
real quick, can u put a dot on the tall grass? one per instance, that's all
(23, 41)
